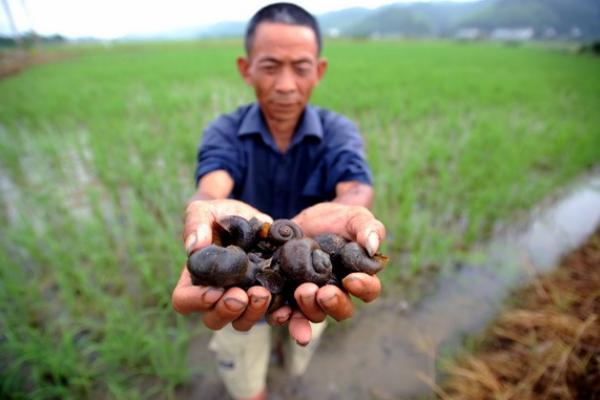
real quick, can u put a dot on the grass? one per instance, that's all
(97, 153)
(545, 345)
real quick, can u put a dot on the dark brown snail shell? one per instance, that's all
(218, 266)
(355, 259)
(283, 230)
(279, 232)
(331, 244)
(301, 260)
(234, 230)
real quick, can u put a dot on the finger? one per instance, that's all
(299, 328)
(365, 287)
(187, 298)
(230, 307)
(306, 297)
(195, 298)
(235, 207)
(197, 231)
(368, 231)
(335, 302)
(280, 316)
(257, 307)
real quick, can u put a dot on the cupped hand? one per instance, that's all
(200, 215)
(315, 304)
(218, 306)
(355, 223)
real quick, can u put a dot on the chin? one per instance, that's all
(286, 114)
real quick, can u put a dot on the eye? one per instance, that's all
(269, 68)
(303, 69)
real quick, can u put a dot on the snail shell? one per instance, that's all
(235, 230)
(218, 266)
(283, 230)
(355, 259)
(331, 244)
(301, 260)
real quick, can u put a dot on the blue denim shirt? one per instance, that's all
(326, 149)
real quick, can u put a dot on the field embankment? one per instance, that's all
(545, 345)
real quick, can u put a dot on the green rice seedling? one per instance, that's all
(97, 155)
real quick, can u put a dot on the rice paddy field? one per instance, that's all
(97, 153)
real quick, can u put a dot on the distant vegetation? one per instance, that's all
(549, 19)
(30, 39)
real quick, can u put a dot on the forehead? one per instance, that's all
(276, 39)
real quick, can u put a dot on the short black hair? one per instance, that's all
(282, 13)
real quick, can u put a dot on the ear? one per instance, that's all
(243, 65)
(321, 67)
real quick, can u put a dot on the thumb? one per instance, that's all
(369, 232)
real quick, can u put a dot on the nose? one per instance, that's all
(286, 81)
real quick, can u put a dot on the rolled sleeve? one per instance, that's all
(218, 151)
(346, 156)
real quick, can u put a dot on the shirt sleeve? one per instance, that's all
(219, 149)
(345, 156)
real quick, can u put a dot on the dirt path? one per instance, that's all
(13, 62)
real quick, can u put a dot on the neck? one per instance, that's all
(282, 132)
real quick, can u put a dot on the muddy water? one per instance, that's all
(389, 352)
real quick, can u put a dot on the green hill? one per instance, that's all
(442, 19)
(563, 16)
(416, 19)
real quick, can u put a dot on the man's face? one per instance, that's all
(283, 67)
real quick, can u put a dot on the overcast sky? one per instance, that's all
(115, 18)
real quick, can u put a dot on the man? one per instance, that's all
(278, 158)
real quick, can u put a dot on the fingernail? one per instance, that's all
(331, 301)
(212, 295)
(354, 280)
(234, 305)
(301, 344)
(281, 320)
(258, 300)
(190, 242)
(203, 234)
(372, 243)
(307, 299)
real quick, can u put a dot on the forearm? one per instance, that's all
(354, 194)
(215, 185)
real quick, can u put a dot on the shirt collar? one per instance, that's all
(254, 123)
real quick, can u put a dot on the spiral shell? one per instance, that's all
(283, 230)
(301, 260)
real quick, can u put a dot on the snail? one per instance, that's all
(276, 256)
(279, 232)
(349, 256)
(237, 231)
(302, 260)
(219, 266)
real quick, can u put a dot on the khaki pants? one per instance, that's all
(243, 357)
